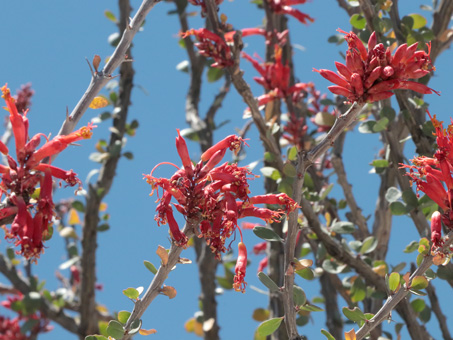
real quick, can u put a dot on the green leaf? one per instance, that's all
(225, 282)
(302, 320)
(380, 163)
(131, 293)
(335, 39)
(268, 282)
(331, 266)
(77, 205)
(325, 191)
(369, 244)
(270, 172)
(311, 308)
(103, 227)
(358, 290)
(183, 66)
(394, 281)
(306, 273)
(419, 282)
(398, 208)
(444, 273)
(418, 305)
(266, 234)
(299, 296)
(150, 267)
(95, 337)
(343, 227)
(286, 186)
(135, 326)
(128, 155)
(355, 314)
(388, 112)
(123, 316)
(425, 314)
(327, 334)
(115, 330)
(269, 326)
(411, 247)
(109, 15)
(419, 21)
(214, 74)
(289, 170)
(358, 21)
(381, 124)
(114, 39)
(292, 153)
(324, 119)
(367, 126)
(408, 22)
(410, 198)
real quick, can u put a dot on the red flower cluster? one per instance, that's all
(275, 79)
(281, 37)
(20, 178)
(211, 45)
(433, 176)
(10, 329)
(370, 75)
(284, 7)
(217, 194)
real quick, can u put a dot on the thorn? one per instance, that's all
(89, 65)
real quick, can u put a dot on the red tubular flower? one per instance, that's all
(263, 264)
(203, 5)
(181, 147)
(284, 7)
(240, 268)
(370, 74)
(436, 229)
(259, 248)
(218, 195)
(211, 45)
(19, 180)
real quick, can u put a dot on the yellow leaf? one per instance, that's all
(102, 309)
(147, 331)
(169, 291)
(99, 103)
(328, 219)
(189, 326)
(350, 335)
(198, 329)
(103, 206)
(73, 217)
(260, 314)
(162, 253)
(381, 270)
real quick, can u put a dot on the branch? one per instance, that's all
(49, 310)
(101, 78)
(392, 301)
(435, 307)
(88, 323)
(156, 284)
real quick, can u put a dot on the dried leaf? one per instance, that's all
(183, 260)
(96, 62)
(169, 291)
(73, 218)
(162, 253)
(99, 103)
(438, 260)
(302, 264)
(147, 331)
(350, 335)
(406, 279)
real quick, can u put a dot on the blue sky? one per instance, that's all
(46, 43)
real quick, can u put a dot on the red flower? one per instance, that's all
(240, 268)
(203, 5)
(211, 45)
(20, 178)
(371, 74)
(436, 229)
(263, 264)
(216, 193)
(284, 7)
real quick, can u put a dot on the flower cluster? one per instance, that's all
(433, 176)
(275, 78)
(284, 7)
(218, 195)
(211, 45)
(33, 209)
(280, 37)
(371, 74)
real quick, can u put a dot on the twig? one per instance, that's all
(392, 301)
(155, 286)
(49, 310)
(435, 307)
(102, 77)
